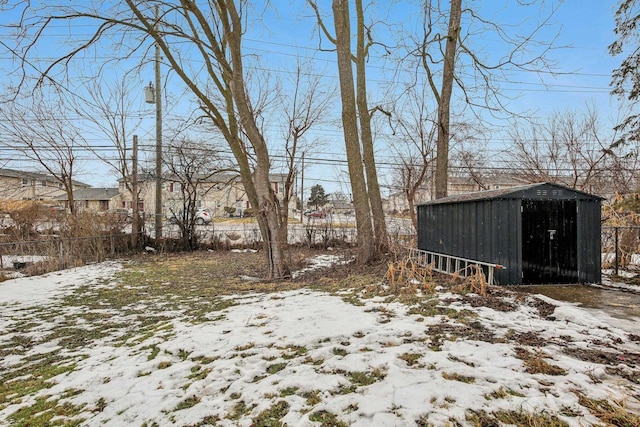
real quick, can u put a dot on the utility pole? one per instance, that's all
(135, 220)
(302, 191)
(158, 99)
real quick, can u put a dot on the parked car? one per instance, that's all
(315, 214)
(202, 217)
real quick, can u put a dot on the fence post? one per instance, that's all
(61, 253)
(617, 263)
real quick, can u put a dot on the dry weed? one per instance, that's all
(611, 411)
(407, 276)
(536, 364)
(478, 281)
(474, 282)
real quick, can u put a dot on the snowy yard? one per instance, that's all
(114, 345)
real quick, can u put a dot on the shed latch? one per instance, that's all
(552, 234)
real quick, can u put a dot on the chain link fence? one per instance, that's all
(620, 248)
(620, 244)
(50, 253)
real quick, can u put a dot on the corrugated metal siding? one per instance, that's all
(506, 240)
(490, 229)
(485, 231)
(589, 244)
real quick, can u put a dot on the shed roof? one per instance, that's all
(13, 173)
(91, 194)
(520, 192)
(340, 204)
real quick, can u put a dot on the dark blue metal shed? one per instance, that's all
(541, 233)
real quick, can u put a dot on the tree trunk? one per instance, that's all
(442, 159)
(68, 188)
(366, 244)
(379, 224)
(270, 212)
(258, 184)
(412, 209)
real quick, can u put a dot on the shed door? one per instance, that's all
(549, 240)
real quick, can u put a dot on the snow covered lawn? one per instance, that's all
(111, 345)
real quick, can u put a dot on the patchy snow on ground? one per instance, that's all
(30, 291)
(12, 265)
(608, 282)
(321, 261)
(313, 355)
(10, 259)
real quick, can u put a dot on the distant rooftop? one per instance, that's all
(91, 194)
(34, 175)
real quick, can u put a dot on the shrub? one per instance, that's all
(250, 212)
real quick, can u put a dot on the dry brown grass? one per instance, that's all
(535, 363)
(407, 276)
(514, 418)
(474, 281)
(610, 412)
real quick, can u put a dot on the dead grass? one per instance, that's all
(407, 276)
(458, 377)
(535, 363)
(610, 412)
(327, 419)
(198, 285)
(272, 415)
(473, 281)
(516, 418)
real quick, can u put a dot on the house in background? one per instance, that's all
(213, 193)
(93, 199)
(21, 185)
(397, 201)
(226, 190)
(339, 206)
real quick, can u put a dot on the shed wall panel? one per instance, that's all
(589, 241)
(508, 240)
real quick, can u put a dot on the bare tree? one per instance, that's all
(108, 108)
(190, 166)
(367, 200)
(468, 154)
(414, 143)
(444, 97)
(364, 42)
(567, 148)
(472, 164)
(210, 33)
(303, 108)
(43, 134)
(447, 54)
(623, 168)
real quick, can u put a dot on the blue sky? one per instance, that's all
(585, 28)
